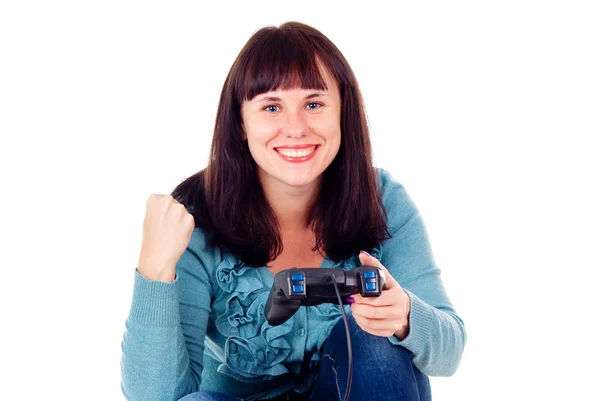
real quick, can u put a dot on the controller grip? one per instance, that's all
(278, 309)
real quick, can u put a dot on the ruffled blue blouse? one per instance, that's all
(247, 347)
(207, 329)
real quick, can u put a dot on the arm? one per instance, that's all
(163, 343)
(436, 335)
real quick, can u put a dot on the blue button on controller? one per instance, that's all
(369, 274)
(299, 288)
(297, 276)
(370, 286)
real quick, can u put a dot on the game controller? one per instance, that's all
(313, 286)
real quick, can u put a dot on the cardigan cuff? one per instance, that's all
(154, 302)
(419, 320)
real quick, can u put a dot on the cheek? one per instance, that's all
(262, 130)
(328, 128)
(334, 135)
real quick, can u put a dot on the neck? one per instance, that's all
(291, 204)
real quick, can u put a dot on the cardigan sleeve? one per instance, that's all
(437, 334)
(163, 343)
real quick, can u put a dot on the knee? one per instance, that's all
(376, 363)
(367, 347)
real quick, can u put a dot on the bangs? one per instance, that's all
(282, 61)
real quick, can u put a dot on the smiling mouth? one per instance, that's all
(296, 153)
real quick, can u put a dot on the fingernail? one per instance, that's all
(350, 300)
(366, 253)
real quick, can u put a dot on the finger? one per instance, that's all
(388, 297)
(380, 324)
(390, 281)
(368, 260)
(380, 328)
(376, 312)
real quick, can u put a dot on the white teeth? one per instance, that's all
(296, 153)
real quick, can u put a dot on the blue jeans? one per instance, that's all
(381, 371)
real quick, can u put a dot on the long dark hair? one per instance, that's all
(226, 198)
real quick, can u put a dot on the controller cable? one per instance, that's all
(331, 277)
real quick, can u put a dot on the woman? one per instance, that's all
(290, 182)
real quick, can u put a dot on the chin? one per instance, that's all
(298, 178)
(291, 177)
(299, 181)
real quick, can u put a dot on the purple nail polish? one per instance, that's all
(366, 253)
(350, 300)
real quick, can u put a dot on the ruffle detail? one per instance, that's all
(229, 272)
(254, 350)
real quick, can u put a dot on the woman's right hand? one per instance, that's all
(167, 231)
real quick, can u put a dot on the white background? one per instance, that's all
(487, 112)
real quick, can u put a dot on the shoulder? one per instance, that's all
(393, 192)
(397, 202)
(389, 185)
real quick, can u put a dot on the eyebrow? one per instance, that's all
(277, 99)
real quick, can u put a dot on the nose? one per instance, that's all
(295, 125)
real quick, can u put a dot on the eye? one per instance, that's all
(316, 104)
(269, 107)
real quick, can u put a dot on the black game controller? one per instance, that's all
(313, 286)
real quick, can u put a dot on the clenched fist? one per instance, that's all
(167, 231)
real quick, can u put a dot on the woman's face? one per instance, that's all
(293, 135)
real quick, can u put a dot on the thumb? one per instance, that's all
(366, 259)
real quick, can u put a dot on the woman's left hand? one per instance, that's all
(387, 314)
